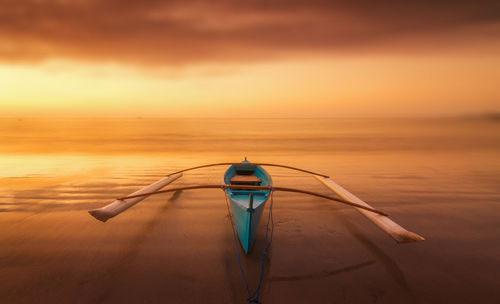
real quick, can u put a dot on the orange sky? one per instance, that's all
(248, 58)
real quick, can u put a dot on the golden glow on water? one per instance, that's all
(16, 166)
(434, 176)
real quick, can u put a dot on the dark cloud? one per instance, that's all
(181, 32)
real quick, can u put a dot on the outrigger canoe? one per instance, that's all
(248, 187)
(247, 205)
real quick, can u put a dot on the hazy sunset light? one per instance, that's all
(248, 58)
(249, 151)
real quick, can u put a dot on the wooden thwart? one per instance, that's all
(245, 180)
(398, 233)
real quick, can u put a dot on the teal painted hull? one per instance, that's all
(247, 219)
(246, 222)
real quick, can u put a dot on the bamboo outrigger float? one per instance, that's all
(248, 187)
(398, 233)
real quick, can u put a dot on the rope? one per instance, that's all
(254, 297)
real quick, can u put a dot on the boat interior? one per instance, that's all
(247, 175)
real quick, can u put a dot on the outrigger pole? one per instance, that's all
(379, 218)
(250, 164)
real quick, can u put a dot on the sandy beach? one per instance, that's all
(437, 177)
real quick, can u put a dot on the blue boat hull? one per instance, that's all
(247, 216)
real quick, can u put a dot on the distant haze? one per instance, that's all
(249, 58)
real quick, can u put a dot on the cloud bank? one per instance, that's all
(167, 33)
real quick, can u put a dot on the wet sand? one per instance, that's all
(438, 178)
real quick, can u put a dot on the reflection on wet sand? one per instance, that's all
(387, 262)
(108, 276)
(322, 274)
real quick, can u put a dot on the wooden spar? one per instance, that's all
(249, 164)
(398, 233)
(118, 206)
(248, 187)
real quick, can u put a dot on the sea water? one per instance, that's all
(437, 177)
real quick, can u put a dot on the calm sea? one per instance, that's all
(437, 177)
